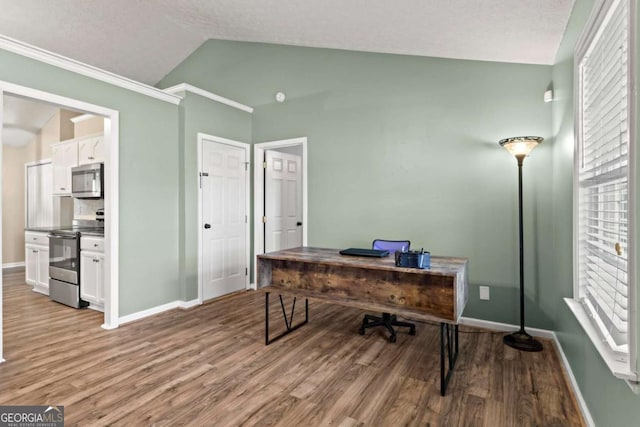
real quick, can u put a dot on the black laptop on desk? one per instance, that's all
(364, 252)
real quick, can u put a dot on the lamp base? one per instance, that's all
(522, 341)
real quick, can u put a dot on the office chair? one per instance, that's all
(388, 320)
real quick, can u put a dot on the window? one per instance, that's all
(605, 287)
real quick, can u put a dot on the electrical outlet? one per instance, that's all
(484, 293)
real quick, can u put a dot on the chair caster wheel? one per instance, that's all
(412, 331)
(392, 338)
(361, 331)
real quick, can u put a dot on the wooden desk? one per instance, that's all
(374, 284)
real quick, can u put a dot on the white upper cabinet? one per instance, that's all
(91, 150)
(64, 156)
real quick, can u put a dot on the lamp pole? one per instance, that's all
(520, 147)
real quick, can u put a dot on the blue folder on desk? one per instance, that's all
(364, 252)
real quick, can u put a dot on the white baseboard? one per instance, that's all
(148, 312)
(497, 326)
(576, 390)
(542, 333)
(96, 308)
(13, 265)
(156, 310)
(189, 304)
(2, 360)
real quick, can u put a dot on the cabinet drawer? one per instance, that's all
(95, 244)
(34, 238)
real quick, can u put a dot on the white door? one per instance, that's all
(283, 201)
(224, 211)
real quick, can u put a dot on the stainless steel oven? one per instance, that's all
(64, 268)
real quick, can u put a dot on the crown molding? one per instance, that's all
(186, 87)
(47, 57)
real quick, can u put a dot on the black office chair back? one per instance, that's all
(391, 245)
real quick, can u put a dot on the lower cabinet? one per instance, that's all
(92, 272)
(37, 261)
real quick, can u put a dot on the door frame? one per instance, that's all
(247, 152)
(258, 193)
(111, 189)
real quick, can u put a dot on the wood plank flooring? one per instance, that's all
(208, 366)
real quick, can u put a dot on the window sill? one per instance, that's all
(618, 368)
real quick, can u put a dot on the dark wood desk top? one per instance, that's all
(439, 264)
(368, 283)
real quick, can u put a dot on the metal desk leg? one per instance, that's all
(288, 321)
(451, 337)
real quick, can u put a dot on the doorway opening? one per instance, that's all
(111, 142)
(280, 196)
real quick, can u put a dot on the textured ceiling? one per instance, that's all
(144, 40)
(23, 119)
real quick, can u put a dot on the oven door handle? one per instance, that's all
(54, 236)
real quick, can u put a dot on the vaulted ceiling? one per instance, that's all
(144, 40)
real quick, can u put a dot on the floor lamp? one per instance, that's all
(520, 147)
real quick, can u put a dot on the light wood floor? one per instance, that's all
(208, 366)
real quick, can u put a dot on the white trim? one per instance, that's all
(619, 368)
(541, 333)
(247, 151)
(13, 264)
(189, 304)
(47, 57)
(112, 222)
(258, 193)
(487, 324)
(186, 87)
(158, 309)
(37, 162)
(148, 312)
(574, 384)
(598, 14)
(112, 140)
(1, 184)
(81, 118)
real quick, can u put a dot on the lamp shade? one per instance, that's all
(521, 145)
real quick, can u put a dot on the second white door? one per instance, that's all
(283, 201)
(224, 210)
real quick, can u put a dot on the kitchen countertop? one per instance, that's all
(46, 229)
(64, 227)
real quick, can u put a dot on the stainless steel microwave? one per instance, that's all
(87, 181)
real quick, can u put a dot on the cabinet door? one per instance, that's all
(43, 268)
(88, 272)
(31, 264)
(63, 158)
(100, 278)
(91, 150)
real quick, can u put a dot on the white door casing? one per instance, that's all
(111, 139)
(283, 202)
(223, 226)
(258, 193)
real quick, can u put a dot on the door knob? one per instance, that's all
(299, 223)
(207, 226)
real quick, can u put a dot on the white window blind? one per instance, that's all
(603, 178)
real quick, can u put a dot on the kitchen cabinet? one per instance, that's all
(64, 156)
(91, 150)
(92, 271)
(37, 261)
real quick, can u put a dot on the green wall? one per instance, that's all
(200, 114)
(611, 402)
(148, 177)
(403, 147)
